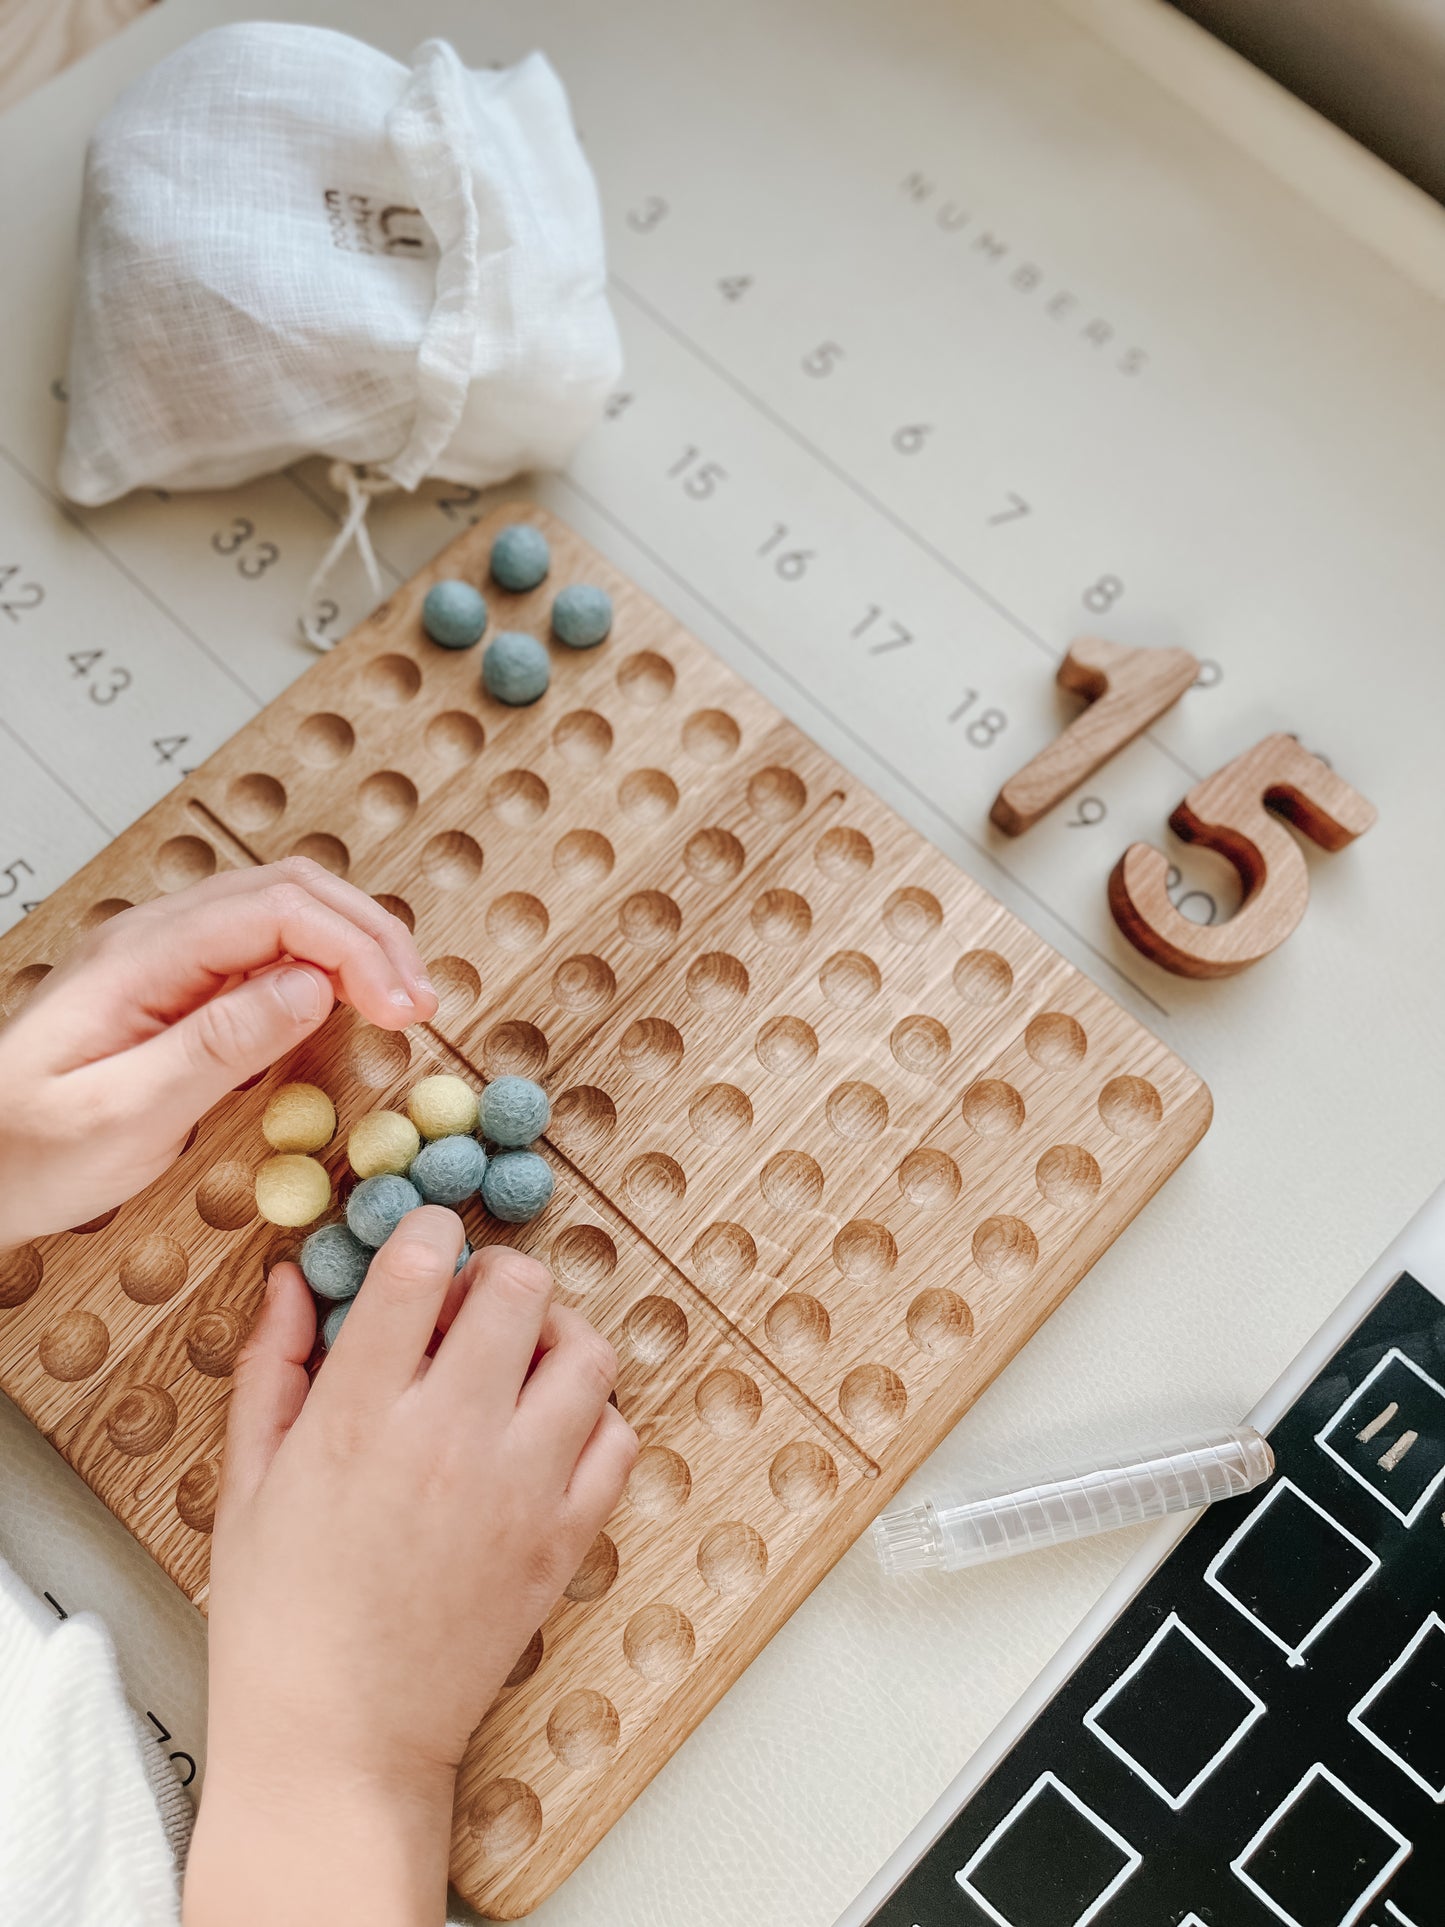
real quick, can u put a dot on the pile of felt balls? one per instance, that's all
(515, 666)
(450, 1146)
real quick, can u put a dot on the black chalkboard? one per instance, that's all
(1259, 1738)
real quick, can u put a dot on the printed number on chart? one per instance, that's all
(253, 558)
(17, 598)
(792, 563)
(983, 725)
(106, 680)
(697, 478)
(885, 631)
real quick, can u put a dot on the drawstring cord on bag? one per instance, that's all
(361, 488)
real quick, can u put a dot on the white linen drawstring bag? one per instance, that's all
(292, 244)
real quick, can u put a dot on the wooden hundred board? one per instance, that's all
(833, 1134)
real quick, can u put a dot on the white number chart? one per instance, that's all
(949, 337)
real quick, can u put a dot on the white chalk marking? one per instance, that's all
(1403, 1849)
(1133, 1859)
(1356, 1714)
(1294, 1654)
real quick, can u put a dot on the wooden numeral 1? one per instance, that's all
(1126, 690)
(1227, 812)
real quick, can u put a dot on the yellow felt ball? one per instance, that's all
(382, 1141)
(443, 1106)
(292, 1190)
(300, 1117)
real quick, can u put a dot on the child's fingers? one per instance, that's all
(268, 1385)
(602, 1469)
(490, 1343)
(391, 1321)
(562, 1401)
(175, 1077)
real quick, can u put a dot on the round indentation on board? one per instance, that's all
(1067, 1175)
(724, 1254)
(390, 680)
(650, 1048)
(1005, 1249)
(583, 983)
(595, 1574)
(375, 1057)
(782, 917)
(74, 1346)
(982, 977)
(865, 1251)
(397, 907)
(505, 1819)
(660, 1482)
(457, 985)
(583, 1258)
(583, 1118)
(843, 853)
(656, 1329)
(141, 1420)
(786, 1046)
(797, 1325)
(1131, 1107)
(653, 1182)
(929, 1178)
(254, 802)
(519, 797)
(453, 738)
(717, 981)
(650, 919)
(451, 860)
(214, 1341)
(791, 1181)
(920, 1044)
(872, 1399)
(21, 1270)
(720, 1112)
(912, 915)
(659, 1643)
(105, 1219)
(849, 979)
(732, 1558)
(154, 1269)
(710, 736)
(1055, 1041)
(776, 794)
(20, 985)
(583, 856)
(645, 678)
(528, 1660)
(803, 1476)
(181, 861)
(583, 1730)
(323, 740)
(992, 1108)
(387, 798)
(856, 1112)
(713, 856)
(517, 921)
(327, 850)
(226, 1196)
(583, 738)
(102, 912)
(939, 1322)
(514, 1049)
(728, 1402)
(196, 1495)
(647, 795)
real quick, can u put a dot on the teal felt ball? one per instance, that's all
(520, 557)
(378, 1205)
(448, 1169)
(334, 1261)
(454, 614)
(582, 616)
(514, 1111)
(515, 668)
(333, 1322)
(518, 1185)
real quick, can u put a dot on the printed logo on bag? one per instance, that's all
(364, 224)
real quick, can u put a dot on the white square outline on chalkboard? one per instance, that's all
(1356, 1714)
(1390, 1908)
(1256, 1712)
(1294, 1654)
(1132, 1863)
(1403, 1848)
(1322, 1438)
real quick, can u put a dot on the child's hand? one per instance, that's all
(165, 1009)
(385, 1546)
